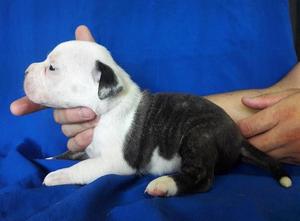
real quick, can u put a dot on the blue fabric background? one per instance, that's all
(195, 46)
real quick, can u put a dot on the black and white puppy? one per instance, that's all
(183, 135)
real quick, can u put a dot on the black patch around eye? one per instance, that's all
(51, 68)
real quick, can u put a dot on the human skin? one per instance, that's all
(275, 129)
(267, 117)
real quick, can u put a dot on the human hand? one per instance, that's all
(275, 129)
(77, 123)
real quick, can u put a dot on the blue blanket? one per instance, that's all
(195, 46)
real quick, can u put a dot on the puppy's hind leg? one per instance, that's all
(198, 153)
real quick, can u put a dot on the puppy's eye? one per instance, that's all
(51, 68)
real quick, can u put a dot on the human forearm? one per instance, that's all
(231, 103)
(291, 80)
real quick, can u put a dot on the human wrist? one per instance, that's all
(290, 81)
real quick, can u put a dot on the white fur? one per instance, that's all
(158, 165)
(162, 186)
(73, 83)
(285, 182)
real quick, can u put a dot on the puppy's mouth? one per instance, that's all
(31, 89)
(28, 89)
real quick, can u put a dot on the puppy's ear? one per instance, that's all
(109, 84)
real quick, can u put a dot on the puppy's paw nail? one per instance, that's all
(162, 186)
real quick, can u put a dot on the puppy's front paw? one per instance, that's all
(162, 186)
(59, 177)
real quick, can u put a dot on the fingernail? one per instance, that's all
(72, 146)
(16, 108)
(13, 109)
(86, 113)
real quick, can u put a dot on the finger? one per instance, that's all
(81, 140)
(266, 100)
(258, 123)
(269, 140)
(288, 150)
(261, 102)
(82, 33)
(73, 115)
(295, 160)
(24, 106)
(71, 130)
(282, 154)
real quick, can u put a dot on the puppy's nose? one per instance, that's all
(29, 68)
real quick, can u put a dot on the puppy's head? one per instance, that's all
(75, 73)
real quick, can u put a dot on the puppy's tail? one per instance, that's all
(69, 155)
(251, 154)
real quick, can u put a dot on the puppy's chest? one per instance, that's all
(109, 136)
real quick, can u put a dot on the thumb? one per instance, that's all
(266, 100)
(82, 33)
(24, 106)
(258, 123)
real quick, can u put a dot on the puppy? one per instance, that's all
(183, 135)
